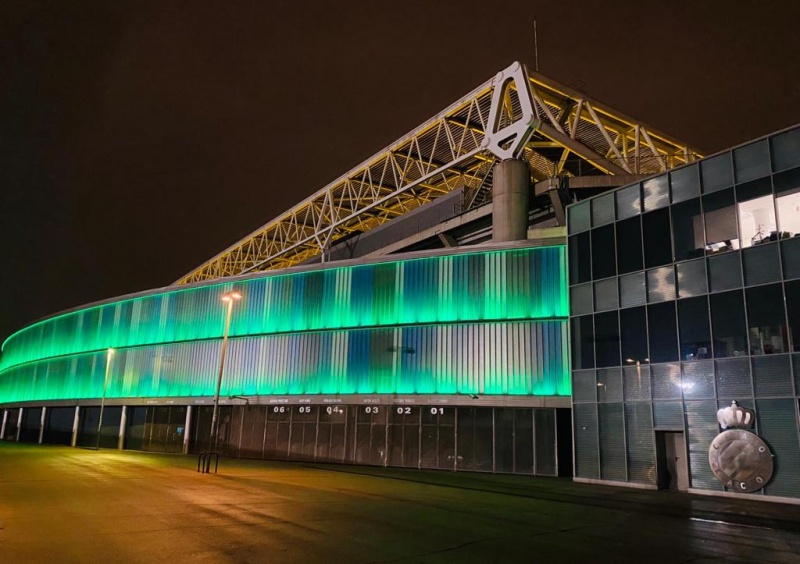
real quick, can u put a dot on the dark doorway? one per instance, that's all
(673, 470)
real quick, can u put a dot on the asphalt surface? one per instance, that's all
(74, 505)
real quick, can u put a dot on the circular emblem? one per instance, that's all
(740, 460)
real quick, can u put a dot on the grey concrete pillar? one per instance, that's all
(3, 426)
(123, 425)
(187, 429)
(510, 197)
(75, 424)
(41, 424)
(19, 424)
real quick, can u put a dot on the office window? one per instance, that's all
(687, 230)
(580, 262)
(663, 335)
(633, 334)
(787, 200)
(582, 342)
(728, 324)
(604, 263)
(657, 238)
(629, 245)
(720, 218)
(793, 309)
(757, 221)
(606, 331)
(693, 324)
(766, 320)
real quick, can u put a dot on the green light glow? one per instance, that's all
(338, 330)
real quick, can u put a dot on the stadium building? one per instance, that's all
(529, 282)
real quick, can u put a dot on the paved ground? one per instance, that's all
(74, 505)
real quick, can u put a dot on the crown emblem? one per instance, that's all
(735, 416)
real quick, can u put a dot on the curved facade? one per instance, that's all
(472, 328)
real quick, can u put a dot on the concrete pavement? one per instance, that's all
(74, 505)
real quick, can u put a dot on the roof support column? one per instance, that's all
(75, 425)
(187, 428)
(19, 423)
(3, 427)
(123, 425)
(511, 197)
(41, 424)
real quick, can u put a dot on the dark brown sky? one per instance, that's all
(138, 139)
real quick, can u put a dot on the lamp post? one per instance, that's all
(109, 356)
(228, 300)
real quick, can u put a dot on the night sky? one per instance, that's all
(138, 139)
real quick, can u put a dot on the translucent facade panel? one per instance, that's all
(417, 359)
(762, 264)
(701, 426)
(666, 381)
(751, 161)
(790, 256)
(785, 150)
(629, 245)
(655, 193)
(609, 385)
(613, 464)
(698, 380)
(692, 279)
(579, 217)
(733, 378)
(661, 284)
(632, 290)
(587, 451)
(657, 238)
(728, 324)
(685, 183)
(518, 284)
(639, 443)
(580, 299)
(584, 386)
(629, 201)
(720, 221)
(716, 173)
(725, 272)
(668, 415)
(778, 425)
(603, 210)
(772, 376)
(766, 320)
(637, 382)
(687, 230)
(605, 295)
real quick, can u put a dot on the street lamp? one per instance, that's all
(109, 356)
(228, 300)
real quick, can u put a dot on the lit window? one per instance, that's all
(789, 213)
(757, 221)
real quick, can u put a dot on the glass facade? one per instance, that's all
(708, 273)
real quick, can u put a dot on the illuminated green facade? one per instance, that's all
(489, 322)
